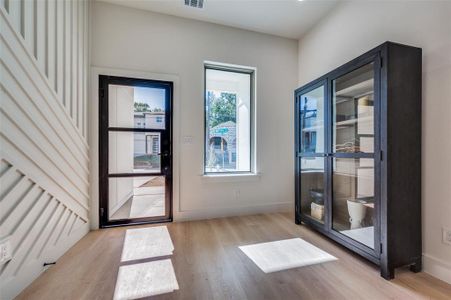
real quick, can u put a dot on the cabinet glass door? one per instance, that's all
(312, 188)
(353, 165)
(311, 121)
(311, 118)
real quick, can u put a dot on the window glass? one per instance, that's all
(228, 111)
(134, 152)
(312, 121)
(136, 107)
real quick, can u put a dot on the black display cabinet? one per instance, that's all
(358, 156)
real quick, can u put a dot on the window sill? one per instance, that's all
(234, 177)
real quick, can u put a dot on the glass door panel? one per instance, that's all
(311, 121)
(353, 111)
(353, 140)
(312, 187)
(136, 197)
(134, 152)
(136, 106)
(353, 199)
(312, 147)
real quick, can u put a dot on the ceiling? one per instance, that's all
(286, 18)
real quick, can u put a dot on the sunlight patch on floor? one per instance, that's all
(147, 242)
(145, 279)
(285, 254)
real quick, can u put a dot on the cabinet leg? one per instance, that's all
(387, 272)
(416, 266)
(297, 220)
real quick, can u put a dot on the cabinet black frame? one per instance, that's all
(166, 149)
(397, 94)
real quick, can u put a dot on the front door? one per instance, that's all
(135, 151)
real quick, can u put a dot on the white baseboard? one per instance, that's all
(220, 212)
(437, 267)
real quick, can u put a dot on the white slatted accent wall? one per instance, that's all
(44, 164)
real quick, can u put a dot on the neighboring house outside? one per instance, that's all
(147, 144)
(222, 150)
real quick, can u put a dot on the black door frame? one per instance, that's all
(166, 149)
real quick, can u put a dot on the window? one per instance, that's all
(229, 117)
(159, 119)
(153, 144)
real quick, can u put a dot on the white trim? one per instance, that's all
(227, 65)
(94, 132)
(253, 125)
(232, 177)
(437, 267)
(219, 212)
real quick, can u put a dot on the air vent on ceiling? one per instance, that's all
(195, 3)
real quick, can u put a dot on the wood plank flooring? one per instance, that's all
(209, 265)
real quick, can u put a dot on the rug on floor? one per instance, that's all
(145, 280)
(285, 254)
(147, 242)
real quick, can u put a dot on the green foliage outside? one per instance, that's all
(144, 107)
(141, 107)
(221, 109)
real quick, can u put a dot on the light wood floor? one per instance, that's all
(209, 265)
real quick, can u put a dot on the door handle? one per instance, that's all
(165, 153)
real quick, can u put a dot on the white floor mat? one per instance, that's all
(146, 279)
(285, 254)
(147, 243)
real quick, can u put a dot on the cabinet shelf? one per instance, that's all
(357, 90)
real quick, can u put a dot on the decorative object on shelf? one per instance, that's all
(317, 205)
(357, 213)
(348, 147)
(317, 211)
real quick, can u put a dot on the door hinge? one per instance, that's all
(382, 65)
(101, 211)
(381, 248)
(382, 155)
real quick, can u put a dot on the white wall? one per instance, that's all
(44, 172)
(355, 27)
(124, 38)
